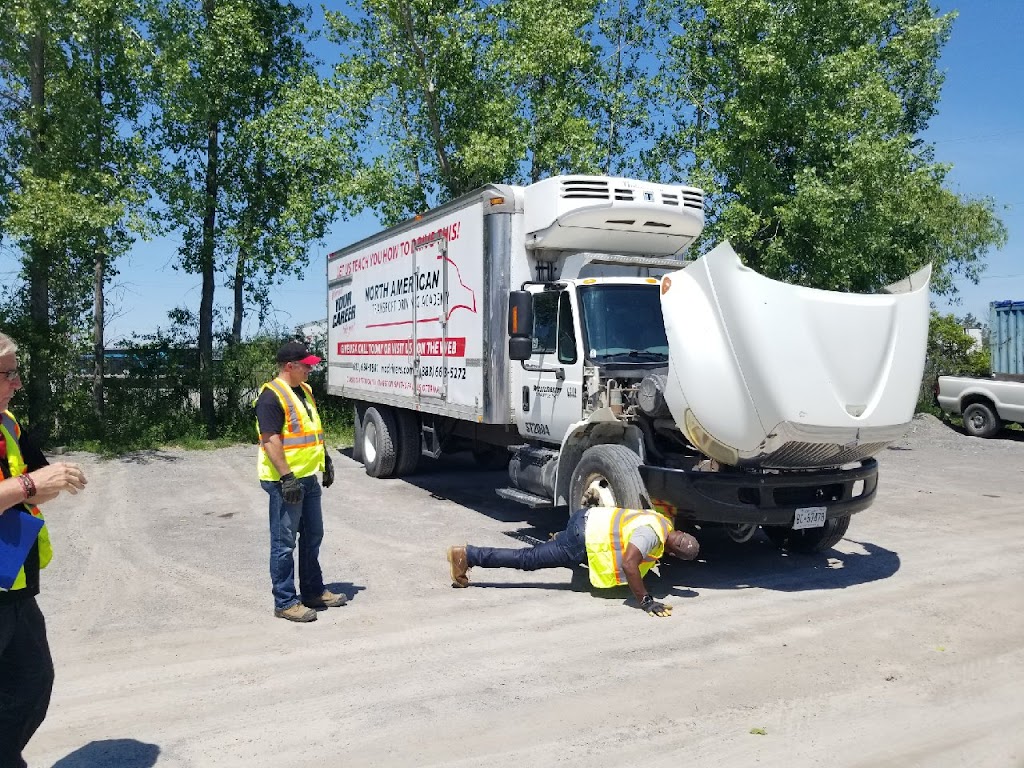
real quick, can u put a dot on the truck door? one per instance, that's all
(549, 397)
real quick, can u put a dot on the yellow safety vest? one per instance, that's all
(302, 435)
(11, 430)
(607, 536)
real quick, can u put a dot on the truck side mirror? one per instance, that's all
(520, 325)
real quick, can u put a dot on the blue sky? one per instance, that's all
(979, 130)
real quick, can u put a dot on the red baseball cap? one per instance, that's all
(296, 352)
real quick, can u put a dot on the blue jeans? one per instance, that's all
(567, 549)
(288, 521)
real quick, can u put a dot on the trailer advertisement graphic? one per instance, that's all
(406, 312)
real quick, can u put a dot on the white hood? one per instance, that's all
(777, 375)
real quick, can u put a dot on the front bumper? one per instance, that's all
(763, 499)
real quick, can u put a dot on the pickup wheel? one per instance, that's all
(607, 476)
(981, 421)
(379, 436)
(809, 540)
(408, 447)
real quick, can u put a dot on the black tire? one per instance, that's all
(809, 540)
(379, 436)
(358, 412)
(491, 457)
(607, 475)
(981, 421)
(408, 449)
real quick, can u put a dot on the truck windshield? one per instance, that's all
(623, 323)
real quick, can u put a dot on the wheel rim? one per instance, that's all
(370, 442)
(597, 492)
(741, 532)
(978, 420)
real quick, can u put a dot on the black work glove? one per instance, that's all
(654, 608)
(291, 489)
(328, 471)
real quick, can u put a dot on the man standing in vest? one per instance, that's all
(26, 669)
(619, 546)
(291, 453)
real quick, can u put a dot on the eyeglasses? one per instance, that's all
(11, 375)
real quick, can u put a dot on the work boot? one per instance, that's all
(327, 600)
(297, 612)
(459, 566)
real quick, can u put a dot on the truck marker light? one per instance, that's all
(590, 281)
(497, 200)
(515, 319)
(652, 280)
(666, 283)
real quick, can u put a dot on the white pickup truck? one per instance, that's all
(986, 405)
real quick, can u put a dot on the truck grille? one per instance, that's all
(795, 455)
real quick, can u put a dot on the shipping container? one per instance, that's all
(1006, 339)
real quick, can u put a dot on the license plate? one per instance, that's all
(809, 517)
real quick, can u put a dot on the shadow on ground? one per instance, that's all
(723, 564)
(112, 753)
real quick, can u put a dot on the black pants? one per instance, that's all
(26, 677)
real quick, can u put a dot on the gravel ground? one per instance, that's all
(901, 647)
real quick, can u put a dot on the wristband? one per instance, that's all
(646, 600)
(27, 485)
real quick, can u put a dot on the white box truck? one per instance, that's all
(556, 329)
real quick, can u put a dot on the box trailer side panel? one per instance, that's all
(413, 313)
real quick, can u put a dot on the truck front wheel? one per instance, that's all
(980, 420)
(607, 476)
(379, 437)
(809, 540)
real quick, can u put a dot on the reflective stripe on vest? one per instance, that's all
(11, 432)
(608, 533)
(302, 435)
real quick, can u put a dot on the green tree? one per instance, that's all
(67, 75)
(951, 352)
(232, 188)
(802, 121)
(443, 96)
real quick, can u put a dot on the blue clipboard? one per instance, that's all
(18, 532)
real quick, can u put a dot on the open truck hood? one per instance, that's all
(767, 374)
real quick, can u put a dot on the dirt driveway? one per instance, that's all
(903, 647)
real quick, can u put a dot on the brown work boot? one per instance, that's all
(297, 612)
(459, 566)
(327, 600)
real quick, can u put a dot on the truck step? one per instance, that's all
(430, 444)
(524, 497)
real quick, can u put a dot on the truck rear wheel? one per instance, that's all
(379, 436)
(981, 421)
(809, 540)
(408, 449)
(607, 476)
(358, 412)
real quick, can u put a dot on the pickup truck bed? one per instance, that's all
(986, 405)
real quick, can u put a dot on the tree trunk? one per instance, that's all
(207, 408)
(98, 342)
(38, 386)
(206, 400)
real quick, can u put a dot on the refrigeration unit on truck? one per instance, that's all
(557, 329)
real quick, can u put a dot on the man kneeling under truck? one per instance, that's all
(619, 545)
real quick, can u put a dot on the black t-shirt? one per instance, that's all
(34, 459)
(269, 415)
